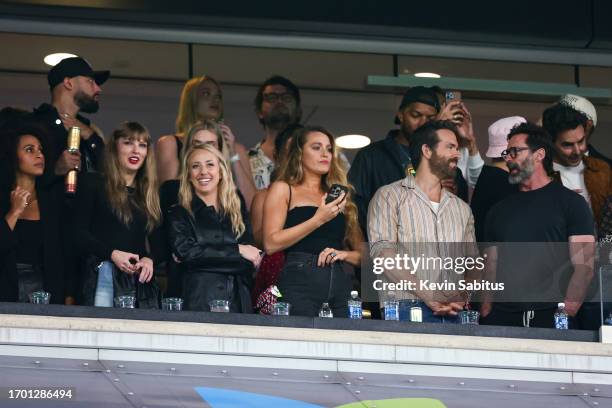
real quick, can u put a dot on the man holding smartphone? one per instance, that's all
(453, 109)
(388, 160)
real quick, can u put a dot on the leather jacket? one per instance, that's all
(205, 241)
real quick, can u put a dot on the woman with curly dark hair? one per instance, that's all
(31, 246)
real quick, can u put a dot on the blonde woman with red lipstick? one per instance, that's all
(116, 214)
(31, 247)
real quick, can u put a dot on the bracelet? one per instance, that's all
(234, 158)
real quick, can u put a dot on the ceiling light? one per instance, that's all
(352, 141)
(427, 75)
(55, 58)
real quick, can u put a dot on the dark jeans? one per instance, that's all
(306, 286)
(29, 279)
(540, 318)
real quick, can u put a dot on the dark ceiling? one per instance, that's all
(524, 23)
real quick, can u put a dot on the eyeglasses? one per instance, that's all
(512, 152)
(275, 97)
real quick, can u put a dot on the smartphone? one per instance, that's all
(334, 192)
(452, 96)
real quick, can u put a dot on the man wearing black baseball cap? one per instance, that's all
(388, 160)
(75, 87)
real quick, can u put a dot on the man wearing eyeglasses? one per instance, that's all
(540, 241)
(277, 105)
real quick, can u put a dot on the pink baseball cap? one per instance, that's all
(498, 134)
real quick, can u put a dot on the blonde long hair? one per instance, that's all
(188, 105)
(212, 127)
(147, 195)
(291, 171)
(229, 202)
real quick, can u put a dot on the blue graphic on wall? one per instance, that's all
(222, 398)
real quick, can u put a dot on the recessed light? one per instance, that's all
(352, 141)
(55, 58)
(427, 75)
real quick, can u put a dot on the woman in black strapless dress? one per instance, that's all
(316, 237)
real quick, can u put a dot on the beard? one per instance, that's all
(524, 172)
(441, 167)
(86, 103)
(279, 118)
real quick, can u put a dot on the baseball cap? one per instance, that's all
(498, 134)
(581, 105)
(419, 94)
(72, 67)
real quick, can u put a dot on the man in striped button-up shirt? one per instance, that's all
(416, 216)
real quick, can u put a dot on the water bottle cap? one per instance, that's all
(561, 305)
(354, 293)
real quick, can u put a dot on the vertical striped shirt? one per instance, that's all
(402, 220)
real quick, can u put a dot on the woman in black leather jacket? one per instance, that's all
(209, 234)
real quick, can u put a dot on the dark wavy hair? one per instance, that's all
(10, 139)
(278, 80)
(559, 118)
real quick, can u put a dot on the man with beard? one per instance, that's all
(388, 160)
(588, 176)
(417, 217)
(579, 171)
(585, 106)
(75, 87)
(540, 239)
(277, 105)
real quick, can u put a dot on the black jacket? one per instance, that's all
(379, 164)
(92, 149)
(55, 273)
(598, 155)
(211, 263)
(206, 242)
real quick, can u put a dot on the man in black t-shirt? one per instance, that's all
(540, 240)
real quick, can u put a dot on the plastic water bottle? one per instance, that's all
(354, 306)
(561, 319)
(326, 311)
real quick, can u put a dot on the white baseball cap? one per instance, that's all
(498, 134)
(581, 105)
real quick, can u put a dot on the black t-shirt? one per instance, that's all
(491, 188)
(535, 226)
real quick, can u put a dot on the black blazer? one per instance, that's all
(55, 270)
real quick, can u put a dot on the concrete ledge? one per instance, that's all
(319, 349)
